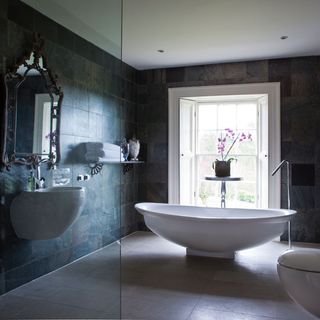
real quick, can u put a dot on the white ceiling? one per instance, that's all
(210, 31)
(192, 32)
(98, 21)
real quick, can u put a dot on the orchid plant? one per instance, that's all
(232, 137)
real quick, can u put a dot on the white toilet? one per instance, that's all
(299, 272)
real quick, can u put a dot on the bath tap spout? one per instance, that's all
(281, 164)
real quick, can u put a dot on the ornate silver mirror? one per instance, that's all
(31, 118)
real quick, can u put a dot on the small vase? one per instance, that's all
(221, 168)
(134, 148)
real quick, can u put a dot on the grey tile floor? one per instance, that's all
(158, 282)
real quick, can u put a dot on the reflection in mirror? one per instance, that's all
(34, 116)
(42, 130)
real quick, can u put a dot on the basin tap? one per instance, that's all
(39, 180)
(40, 183)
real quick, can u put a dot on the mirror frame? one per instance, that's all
(8, 132)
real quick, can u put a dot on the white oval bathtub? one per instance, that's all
(213, 231)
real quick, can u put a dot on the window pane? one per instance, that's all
(247, 116)
(208, 192)
(207, 141)
(245, 167)
(246, 195)
(227, 115)
(247, 147)
(205, 166)
(207, 116)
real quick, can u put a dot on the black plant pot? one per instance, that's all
(221, 168)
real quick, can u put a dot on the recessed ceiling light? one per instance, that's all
(284, 37)
(161, 51)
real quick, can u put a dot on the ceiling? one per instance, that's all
(98, 21)
(210, 31)
(192, 32)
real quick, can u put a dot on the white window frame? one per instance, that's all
(198, 154)
(272, 89)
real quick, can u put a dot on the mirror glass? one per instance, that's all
(33, 102)
(33, 126)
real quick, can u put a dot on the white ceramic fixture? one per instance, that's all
(46, 213)
(299, 272)
(134, 148)
(214, 232)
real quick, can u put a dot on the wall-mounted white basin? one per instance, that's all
(46, 213)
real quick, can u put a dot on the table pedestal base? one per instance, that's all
(223, 194)
(223, 186)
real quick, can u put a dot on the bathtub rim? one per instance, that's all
(285, 217)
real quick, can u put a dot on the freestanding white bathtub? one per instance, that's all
(214, 232)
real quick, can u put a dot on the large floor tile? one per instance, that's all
(41, 309)
(209, 314)
(255, 300)
(9, 307)
(157, 304)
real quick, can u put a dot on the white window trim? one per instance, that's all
(272, 89)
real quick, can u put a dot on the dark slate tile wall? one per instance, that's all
(300, 115)
(99, 105)
(106, 100)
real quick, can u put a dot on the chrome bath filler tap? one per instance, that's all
(287, 164)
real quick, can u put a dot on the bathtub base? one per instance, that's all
(211, 254)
